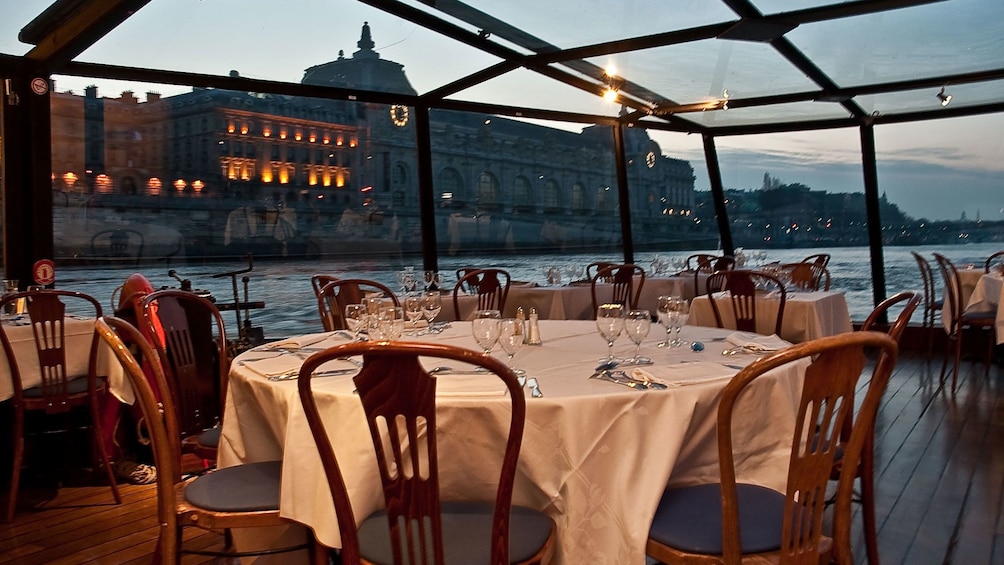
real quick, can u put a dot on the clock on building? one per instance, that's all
(399, 115)
(650, 159)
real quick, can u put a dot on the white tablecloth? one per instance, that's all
(79, 334)
(596, 456)
(970, 279)
(987, 295)
(571, 302)
(807, 315)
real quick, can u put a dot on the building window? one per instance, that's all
(488, 192)
(578, 198)
(551, 199)
(450, 187)
(521, 201)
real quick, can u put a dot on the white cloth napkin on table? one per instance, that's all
(301, 341)
(757, 341)
(469, 385)
(687, 373)
(288, 364)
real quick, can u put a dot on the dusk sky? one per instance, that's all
(937, 169)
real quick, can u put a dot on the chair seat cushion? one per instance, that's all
(210, 437)
(690, 519)
(75, 386)
(243, 488)
(986, 317)
(466, 534)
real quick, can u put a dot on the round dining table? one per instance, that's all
(596, 455)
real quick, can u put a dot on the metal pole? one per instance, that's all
(623, 195)
(426, 192)
(873, 213)
(718, 194)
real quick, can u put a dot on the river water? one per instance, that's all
(290, 307)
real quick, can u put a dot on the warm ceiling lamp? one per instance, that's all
(945, 98)
(613, 85)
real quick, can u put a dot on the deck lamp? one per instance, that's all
(945, 98)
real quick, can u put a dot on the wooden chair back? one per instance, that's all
(989, 263)
(820, 259)
(626, 282)
(337, 294)
(318, 281)
(932, 305)
(399, 399)
(188, 333)
(807, 276)
(491, 286)
(745, 288)
(952, 291)
(836, 364)
(879, 314)
(597, 266)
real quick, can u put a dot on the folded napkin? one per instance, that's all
(289, 364)
(469, 385)
(682, 374)
(301, 341)
(757, 341)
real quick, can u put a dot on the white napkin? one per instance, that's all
(287, 364)
(299, 342)
(757, 341)
(682, 374)
(469, 385)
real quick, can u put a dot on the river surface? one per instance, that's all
(290, 307)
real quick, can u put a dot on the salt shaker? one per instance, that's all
(533, 334)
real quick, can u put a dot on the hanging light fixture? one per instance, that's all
(945, 98)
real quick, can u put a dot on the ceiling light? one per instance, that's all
(945, 98)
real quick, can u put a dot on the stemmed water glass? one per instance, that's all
(664, 306)
(355, 319)
(390, 322)
(637, 324)
(511, 337)
(610, 323)
(413, 309)
(680, 316)
(486, 328)
(432, 305)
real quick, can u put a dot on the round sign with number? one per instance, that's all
(44, 272)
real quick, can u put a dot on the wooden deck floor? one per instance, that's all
(940, 481)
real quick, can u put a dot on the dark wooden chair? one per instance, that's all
(491, 286)
(318, 281)
(242, 496)
(962, 320)
(399, 401)
(745, 288)
(625, 281)
(807, 276)
(820, 259)
(337, 294)
(992, 260)
(703, 264)
(59, 391)
(597, 266)
(188, 333)
(732, 522)
(932, 304)
(865, 470)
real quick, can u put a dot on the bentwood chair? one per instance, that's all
(318, 281)
(731, 521)
(932, 304)
(745, 288)
(703, 264)
(58, 390)
(865, 469)
(242, 496)
(597, 266)
(961, 320)
(420, 524)
(992, 260)
(188, 334)
(807, 276)
(337, 294)
(491, 286)
(621, 283)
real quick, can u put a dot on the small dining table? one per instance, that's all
(572, 301)
(807, 315)
(78, 332)
(596, 456)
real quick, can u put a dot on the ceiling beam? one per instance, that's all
(68, 27)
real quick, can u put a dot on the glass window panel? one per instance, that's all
(793, 112)
(929, 40)
(528, 89)
(975, 94)
(702, 70)
(767, 7)
(258, 40)
(16, 15)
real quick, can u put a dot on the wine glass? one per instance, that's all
(486, 328)
(390, 321)
(432, 305)
(511, 337)
(610, 323)
(355, 318)
(663, 308)
(413, 309)
(637, 324)
(680, 320)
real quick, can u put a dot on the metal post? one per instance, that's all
(718, 194)
(623, 195)
(426, 191)
(873, 213)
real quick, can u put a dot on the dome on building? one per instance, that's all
(364, 70)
